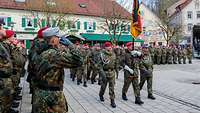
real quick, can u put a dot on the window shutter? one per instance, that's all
(35, 23)
(94, 25)
(8, 21)
(85, 25)
(43, 23)
(23, 22)
(78, 25)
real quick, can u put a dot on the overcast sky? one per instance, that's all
(129, 3)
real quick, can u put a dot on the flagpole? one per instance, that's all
(133, 37)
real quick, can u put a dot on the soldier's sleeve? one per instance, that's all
(69, 58)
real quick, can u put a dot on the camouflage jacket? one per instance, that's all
(146, 65)
(131, 62)
(51, 65)
(108, 60)
(5, 62)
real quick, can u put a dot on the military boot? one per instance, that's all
(113, 103)
(85, 84)
(138, 101)
(101, 98)
(150, 96)
(124, 97)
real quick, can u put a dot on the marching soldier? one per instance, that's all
(180, 55)
(175, 54)
(159, 55)
(131, 65)
(146, 72)
(82, 71)
(169, 55)
(184, 52)
(50, 72)
(118, 54)
(164, 55)
(108, 61)
(151, 51)
(189, 54)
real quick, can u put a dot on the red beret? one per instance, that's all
(39, 33)
(107, 44)
(9, 33)
(129, 44)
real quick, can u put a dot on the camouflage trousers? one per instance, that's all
(149, 80)
(117, 68)
(110, 79)
(175, 58)
(95, 72)
(73, 73)
(128, 79)
(82, 73)
(170, 59)
(164, 59)
(49, 102)
(189, 57)
(6, 94)
(158, 60)
(180, 59)
(184, 59)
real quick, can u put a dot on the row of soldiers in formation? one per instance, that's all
(12, 61)
(51, 53)
(171, 55)
(107, 61)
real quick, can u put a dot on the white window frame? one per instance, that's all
(189, 27)
(76, 26)
(90, 24)
(189, 13)
(26, 19)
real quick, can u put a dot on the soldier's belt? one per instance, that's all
(50, 88)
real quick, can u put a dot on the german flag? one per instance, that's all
(136, 23)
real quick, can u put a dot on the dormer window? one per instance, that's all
(82, 5)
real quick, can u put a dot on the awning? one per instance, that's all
(106, 37)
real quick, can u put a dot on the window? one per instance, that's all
(90, 26)
(189, 14)
(29, 23)
(74, 26)
(5, 21)
(198, 14)
(190, 27)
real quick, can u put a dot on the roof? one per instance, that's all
(177, 7)
(91, 7)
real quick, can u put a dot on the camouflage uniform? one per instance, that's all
(146, 73)
(189, 54)
(184, 53)
(109, 62)
(82, 71)
(159, 55)
(169, 56)
(129, 78)
(164, 55)
(6, 86)
(152, 52)
(175, 55)
(118, 54)
(94, 60)
(180, 55)
(50, 79)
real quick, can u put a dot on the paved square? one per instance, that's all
(173, 88)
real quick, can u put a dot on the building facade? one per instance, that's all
(187, 14)
(85, 18)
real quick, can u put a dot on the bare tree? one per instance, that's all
(114, 22)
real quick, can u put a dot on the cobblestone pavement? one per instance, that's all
(173, 87)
